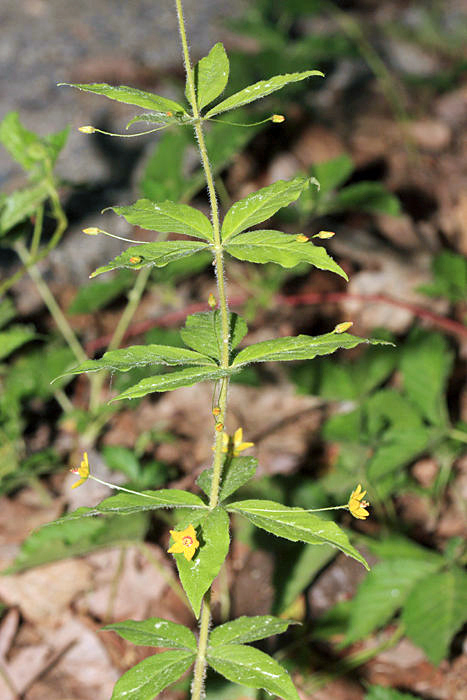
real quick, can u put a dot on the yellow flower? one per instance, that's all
(235, 443)
(185, 542)
(357, 505)
(82, 471)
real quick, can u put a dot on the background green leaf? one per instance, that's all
(14, 337)
(21, 204)
(435, 610)
(71, 538)
(383, 591)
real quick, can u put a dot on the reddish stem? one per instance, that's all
(309, 298)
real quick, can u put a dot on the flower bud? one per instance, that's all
(87, 129)
(92, 231)
(212, 301)
(219, 427)
(325, 234)
(216, 411)
(135, 259)
(301, 238)
(277, 118)
(342, 327)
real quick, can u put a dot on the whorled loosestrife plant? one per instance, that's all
(200, 540)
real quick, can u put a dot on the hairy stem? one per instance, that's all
(200, 663)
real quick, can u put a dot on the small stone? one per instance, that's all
(431, 135)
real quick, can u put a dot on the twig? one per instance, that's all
(310, 298)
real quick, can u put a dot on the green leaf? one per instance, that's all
(253, 668)
(281, 248)
(236, 472)
(248, 629)
(425, 364)
(261, 205)
(166, 217)
(26, 147)
(160, 118)
(299, 574)
(141, 355)
(399, 547)
(56, 142)
(23, 145)
(435, 610)
(164, 176)
(300, 347)
(7, 311)
(203, 332)
(126, 503)
(197, 575)
(155, 632)
(69, 537)
(21, 204)
(211, 75)
(332, 173)
(159, 254)
(130, 96)
(171, 381)
(259, 90)
(372, 197)
(14, 337)
(383, 591)
(145, 680)
(450, 277)
(295, 524)
(379, 692)
(98, 294)
(397, 448)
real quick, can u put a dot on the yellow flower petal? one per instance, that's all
(82, 471)
(186, 542)
(356, 505)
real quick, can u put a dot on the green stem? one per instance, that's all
(197, 686)
(460, 435)
(200, 663)
(37, 233)
(134, 297)
(49, 300)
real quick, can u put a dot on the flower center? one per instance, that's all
(187, 541)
